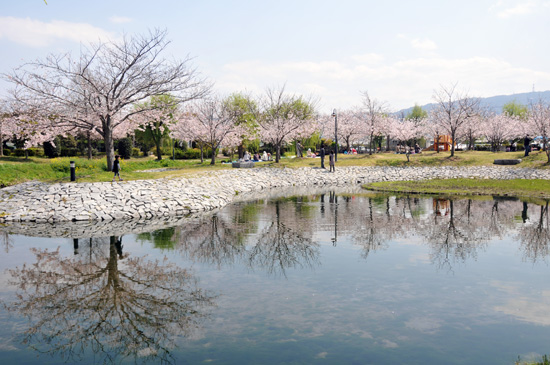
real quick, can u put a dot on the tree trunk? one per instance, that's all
(452, 144)
(1, 142)
(213, 160)
(278, 153)
(202, 153)
(371, 144)
(109, 144)
(89, 145)
(241, 151)
(159, 152)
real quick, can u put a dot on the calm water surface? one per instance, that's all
(319, 278)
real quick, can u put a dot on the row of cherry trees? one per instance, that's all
(114, 88)
(454, 114)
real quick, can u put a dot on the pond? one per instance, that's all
(312, 277)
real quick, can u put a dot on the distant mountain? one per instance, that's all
(495, 103)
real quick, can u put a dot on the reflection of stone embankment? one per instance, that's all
(177, 197)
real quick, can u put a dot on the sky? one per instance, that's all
(400, 52)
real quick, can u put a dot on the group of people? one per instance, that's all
(266, 156)
(407, 149)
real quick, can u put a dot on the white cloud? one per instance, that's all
(402, 83)
(40, 34)
(423, 44)
(120, 19)
(509, 9)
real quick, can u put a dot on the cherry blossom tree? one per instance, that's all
(452, 111)
(283, 117)
(350, 126)
(403, 130)
(374, 118)
(98, 89)
(539, 123)
(497, 128)
(158, 117)
(8, 127)
(210, 121)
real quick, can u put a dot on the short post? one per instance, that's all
(73, 171)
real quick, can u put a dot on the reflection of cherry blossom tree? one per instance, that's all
(119, 308)
(212, 240)
(452, 236)
(280, 246)
(535, 237)
(6, 241)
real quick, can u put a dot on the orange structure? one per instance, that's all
(443, 143)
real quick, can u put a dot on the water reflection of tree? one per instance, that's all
(281, 246)
(6, 241)
(373, 231)
(212, 240)
(535, 236)
(130, 308)
(453, 236)
(258, 234)
(162, 238)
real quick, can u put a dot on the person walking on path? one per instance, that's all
(331, 161)
(116, 168)
(322, 156)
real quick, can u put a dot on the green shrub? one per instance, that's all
(19, 152)
(191, 154)
(135, 152)
(7, 151)
(69, 151)
(124, 147)
(36, 151)
(52, 149)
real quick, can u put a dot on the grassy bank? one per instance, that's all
(15, 170)
(524, 188)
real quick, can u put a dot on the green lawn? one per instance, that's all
(15, 170)
(525, 188)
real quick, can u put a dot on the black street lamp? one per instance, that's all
(335, 134)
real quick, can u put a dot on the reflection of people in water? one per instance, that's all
(118, 246)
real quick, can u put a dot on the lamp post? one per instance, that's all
(335, 134)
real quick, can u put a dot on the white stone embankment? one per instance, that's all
(175, 197)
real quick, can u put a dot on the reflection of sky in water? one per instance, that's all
(402, 295)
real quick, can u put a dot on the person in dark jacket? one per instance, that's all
(331, 161)
(116, 168)
(322, 156)
(526, 145)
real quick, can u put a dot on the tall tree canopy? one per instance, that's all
(97, 89)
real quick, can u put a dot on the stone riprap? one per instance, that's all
(177, 197)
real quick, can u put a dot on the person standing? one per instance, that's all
(116, 168)
(322, 156)
(299, 149)
(331, 161)
(526, 145)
